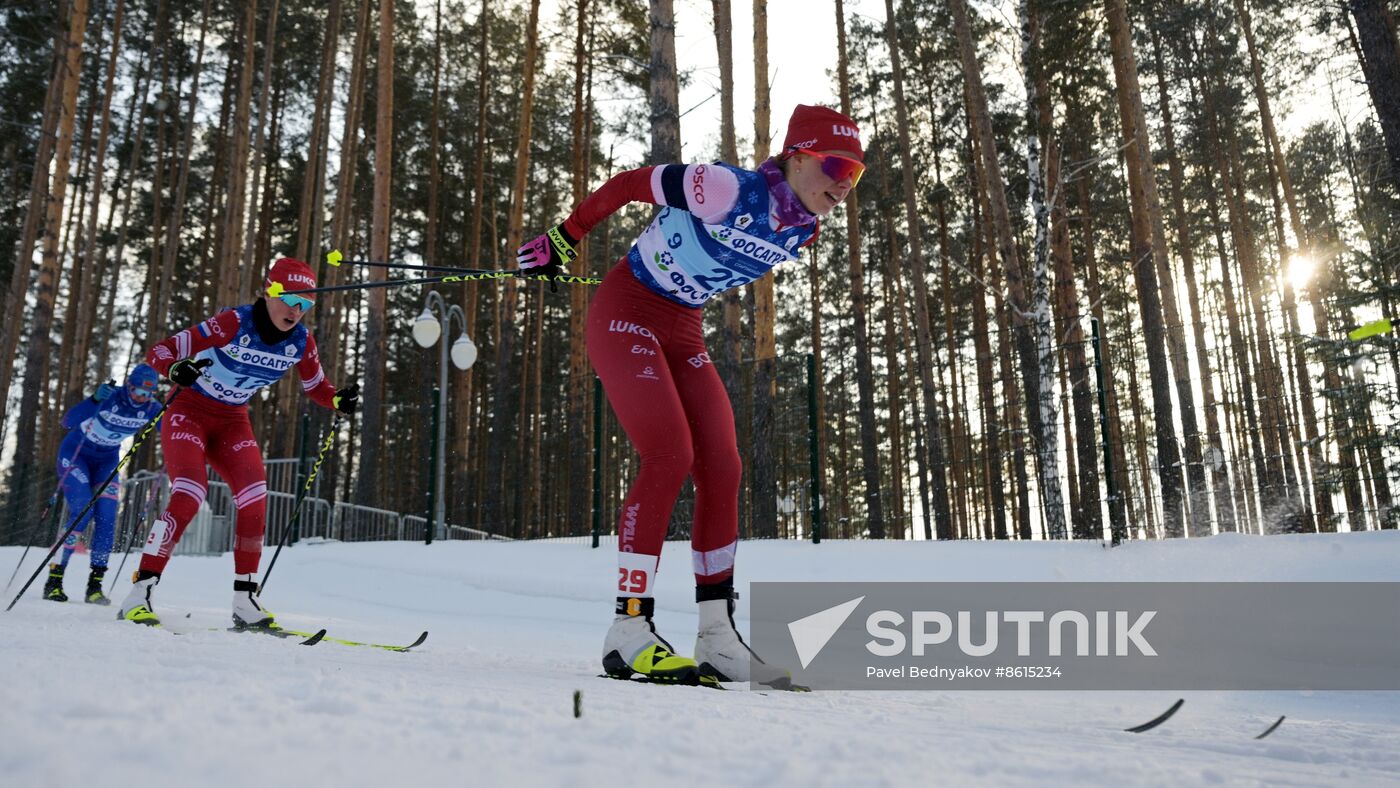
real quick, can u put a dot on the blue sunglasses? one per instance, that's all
(296, 301)
(142, 392)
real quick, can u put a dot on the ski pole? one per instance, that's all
(140, 438)
(335, 259)
(276, 289)
(136, 527)
(43, 518)
(301, 499)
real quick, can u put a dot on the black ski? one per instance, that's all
(1271, 728)
(1158, 720)
(308, 638)
(709, 682)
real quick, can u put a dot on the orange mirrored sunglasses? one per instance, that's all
(836, 167)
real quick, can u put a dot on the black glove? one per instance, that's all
(187, 370)
(347, 400)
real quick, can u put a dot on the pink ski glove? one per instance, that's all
(547, 254)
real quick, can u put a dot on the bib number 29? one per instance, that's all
(632, 581)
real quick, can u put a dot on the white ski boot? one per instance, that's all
(720, 650)
(247, 611)
(137, 607)
(632, 646)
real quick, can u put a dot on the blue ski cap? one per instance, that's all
(141, 383)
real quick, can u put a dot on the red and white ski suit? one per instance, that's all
(645, 340)
(209, 422)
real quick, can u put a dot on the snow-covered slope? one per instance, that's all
(517, 628)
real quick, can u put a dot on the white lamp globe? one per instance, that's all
(463, 352)
(426, 329)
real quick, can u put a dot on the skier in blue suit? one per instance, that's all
(97, 426)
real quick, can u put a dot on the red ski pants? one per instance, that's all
(650, 355)
(197, 430)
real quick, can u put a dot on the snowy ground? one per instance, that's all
(516, 629)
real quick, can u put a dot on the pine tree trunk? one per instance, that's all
(1268, 379)
(1151, 273)
(663, 91)
(122, 195)
(157, 287)
(68, 363)
(916, 266)
(1239, 348)
(992, 462)
(580, 404)
(87, 311)
(1004, 242)
(728, 353)
(431, 231)
(1219, 485)
(1375, 31)
(313, 187)
(18, 294)
(1117, 509)
(251, 270)
(230, 265)
(819, 368)
(173, 232)
(338, 308)
(534, 416)
(1280, 174)
(763, 476)
(465, 382)
(1331, 379)
(1144, 465)
(865, 373)
(342, 224)
(1011, 416)
(894, 382)
(37, 354)
(895, 313)
(215, 210)
(724, 45)
(960, 482)
(369, 488)
(1087, 520)
(504, 401)
(289, 403)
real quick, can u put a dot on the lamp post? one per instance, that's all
(434, 321)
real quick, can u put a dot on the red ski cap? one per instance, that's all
(816, 128)
(291, 274)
